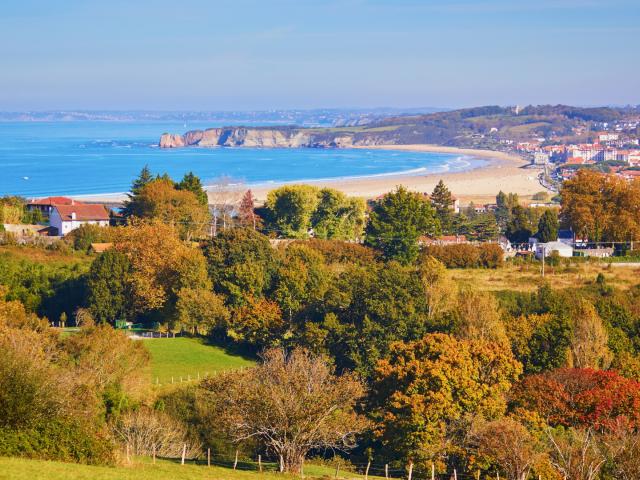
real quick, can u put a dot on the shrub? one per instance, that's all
(491, 255)
(147, 431)
(58, 439)
(465, 255)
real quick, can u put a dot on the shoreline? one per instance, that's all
(479, 184)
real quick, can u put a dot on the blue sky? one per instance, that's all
(262, 54)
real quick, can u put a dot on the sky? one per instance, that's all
(285, 54)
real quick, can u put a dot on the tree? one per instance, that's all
(259, 323)
(289, 209)
(478, 318)
(519, 228)
(159, 199)
(508, 444)
(290, 403)
(337, 216)
(622, 446)
(425, 389)
(601, 207)
(397, 221)
(143, 179)
(200, 311)
(192, 183)
(108, 287)
(442, 202)
(580, 398)
(548, 227)
(246, 211)
(161, 264)
(225, 195)
(576, 453)
(589, 342)
(439, 290)
(241, 264)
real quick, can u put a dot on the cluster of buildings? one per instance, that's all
(621, 149)
(61, 215)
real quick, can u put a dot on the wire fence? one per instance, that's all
(335, 467)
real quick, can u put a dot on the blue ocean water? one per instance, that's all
(75, 158)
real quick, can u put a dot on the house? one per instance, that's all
(45, 205)
(21, 230)
(546, 249)
(66, 218)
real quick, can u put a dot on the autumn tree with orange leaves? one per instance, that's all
(601, 207)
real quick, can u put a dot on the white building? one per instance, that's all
(66, 218)
(548, 248)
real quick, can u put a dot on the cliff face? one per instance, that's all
(282, 137)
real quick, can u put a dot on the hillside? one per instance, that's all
(481, 127)
(181, 358)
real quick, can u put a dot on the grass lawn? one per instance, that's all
(183, 357)
(143, 469)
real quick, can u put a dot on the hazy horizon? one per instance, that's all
(249, 55)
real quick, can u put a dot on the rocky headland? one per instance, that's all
(268, 137)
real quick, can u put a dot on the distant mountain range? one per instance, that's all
(307, 118)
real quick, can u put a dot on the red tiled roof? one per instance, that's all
(54, 201)
(84, 212)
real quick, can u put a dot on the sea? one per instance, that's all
(98, 157)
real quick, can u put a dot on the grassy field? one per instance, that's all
(527, 277)
(21, 469)
(41, 255)
(184, 357)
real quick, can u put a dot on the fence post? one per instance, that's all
(208, 457)
(154, 453)
(386, 470)
(433, 471)
(260, 462)
(235, 462)
(366, 472)
(184, 453)
(410, 469)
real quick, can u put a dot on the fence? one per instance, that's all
(336, 467)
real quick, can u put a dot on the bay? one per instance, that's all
(76, 158)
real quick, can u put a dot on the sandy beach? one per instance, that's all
(502, 172)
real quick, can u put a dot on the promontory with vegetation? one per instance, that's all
(488, 127)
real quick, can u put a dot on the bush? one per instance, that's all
(148, 432)
(337, 251)
(491, 255)
(58, 439)
(465, 255)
